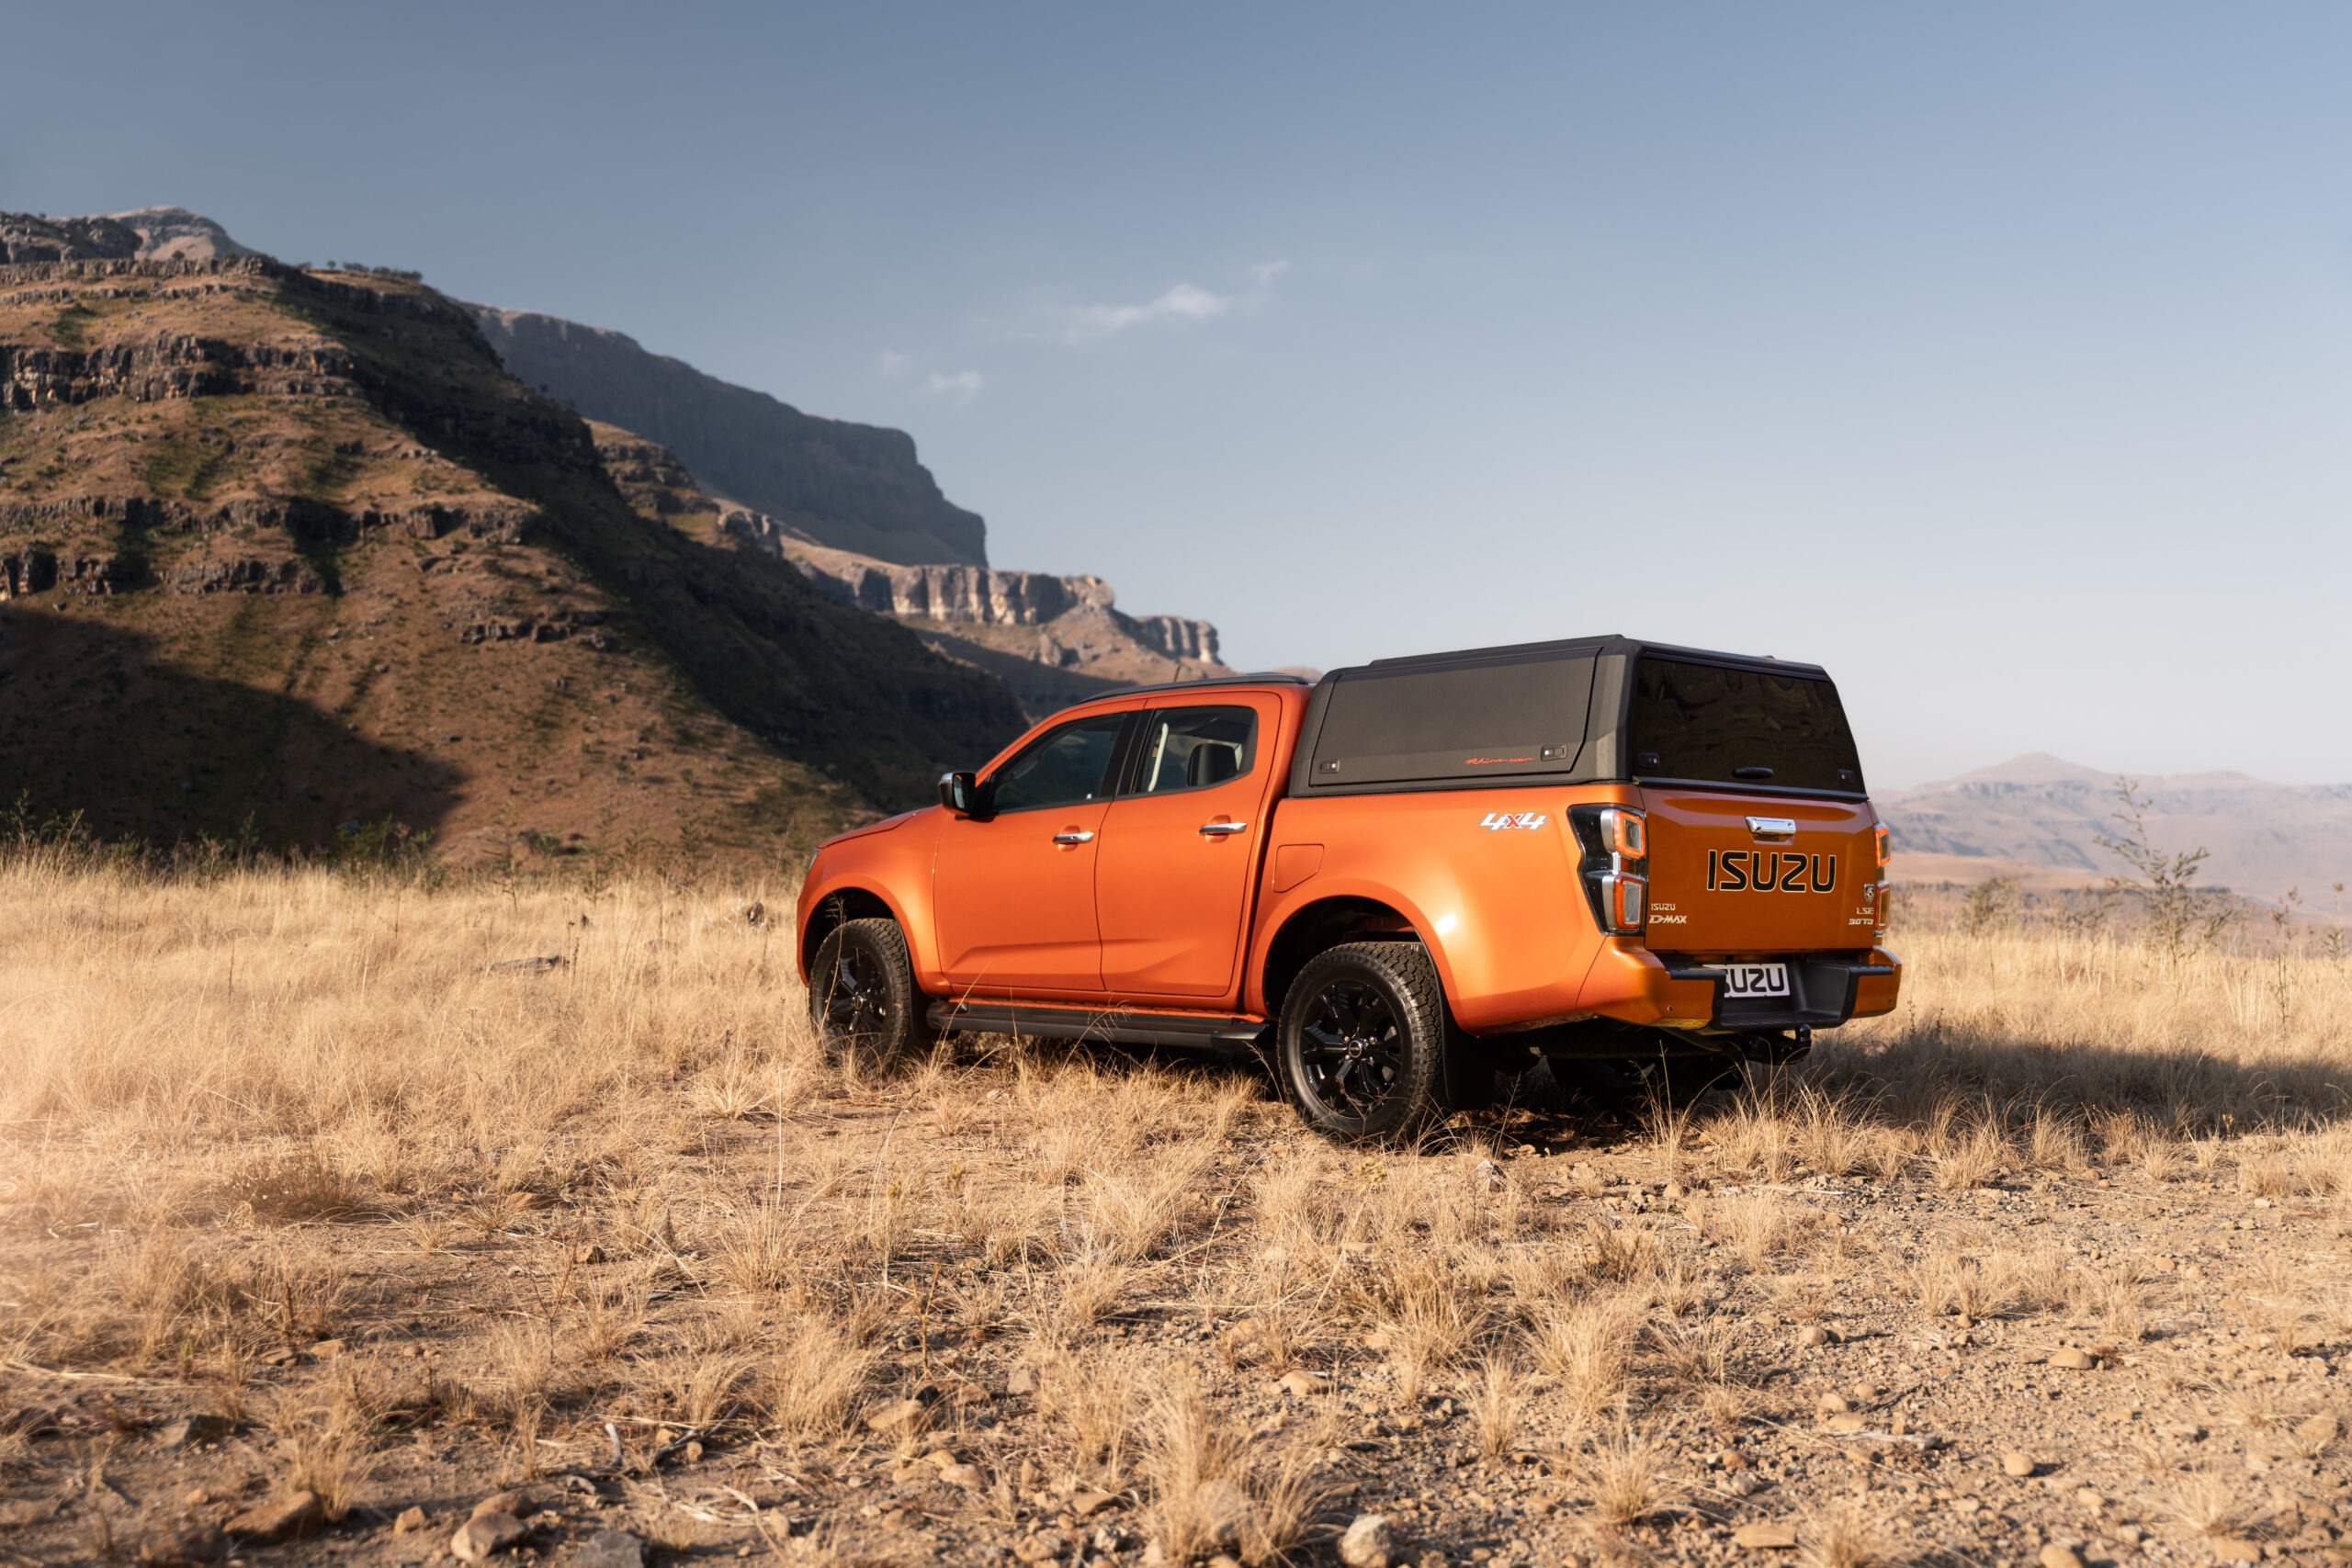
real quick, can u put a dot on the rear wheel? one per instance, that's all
(862, 996)
(1361, 1042)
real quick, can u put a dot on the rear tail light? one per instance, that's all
(1885, 851)
(1615, 870)
(1881, 897)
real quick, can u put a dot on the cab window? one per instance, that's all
(1195, 749)
(1064, 767)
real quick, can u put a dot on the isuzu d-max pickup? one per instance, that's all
(1402, 884)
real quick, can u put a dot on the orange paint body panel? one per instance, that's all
(1183, 897)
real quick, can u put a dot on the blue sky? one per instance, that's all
(1997, 356)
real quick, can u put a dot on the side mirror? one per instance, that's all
(960, 793)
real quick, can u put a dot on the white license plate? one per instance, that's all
(1755, 979)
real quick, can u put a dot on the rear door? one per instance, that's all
(1179, 847)
(1741, 873)
(1013, 892)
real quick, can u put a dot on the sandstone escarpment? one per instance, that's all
(853, 487)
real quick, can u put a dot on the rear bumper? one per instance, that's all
(1826, 989)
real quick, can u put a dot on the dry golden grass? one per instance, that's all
(271, 1110)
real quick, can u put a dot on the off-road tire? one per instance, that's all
(862, 996)
(1361, 1044)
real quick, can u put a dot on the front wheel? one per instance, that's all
(1361, 1042)
(862, 996)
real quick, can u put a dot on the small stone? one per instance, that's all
(1813, 1335)
(283, 1356)
(1833, 1403)
(2017, 1464)
(611, 1549)
(196, 1497)
(276, 1518)
(1765, 1535)
(483, 1534)
(1304, 1384)
(2237, 1551)
(2056, 1556)
(516, 1503)
(1369, 1542)
(692, 1452)
(1088, 1501)
(193, 1429)
(1044, 1547)
(326, 1349)
(412, 1519)
(2088, 1499)
(896, 1415)
(1020, 1380)
(1848, 1424)
(966, 1476)
(2068, 1359)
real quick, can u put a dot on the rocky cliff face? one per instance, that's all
(293, 549)
(853, 487)
(1009, 622)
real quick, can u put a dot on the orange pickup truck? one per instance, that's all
(1403, 885)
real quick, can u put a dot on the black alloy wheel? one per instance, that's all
(1361, 1042)
(862, 996)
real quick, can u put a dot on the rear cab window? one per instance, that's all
(1694, 722)
(1200, 748)
(1509, 717)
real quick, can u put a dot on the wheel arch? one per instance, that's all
(839, 905)
(1327, 923)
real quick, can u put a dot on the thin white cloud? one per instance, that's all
(960, 387)
(1183, 302)
(1266, 272)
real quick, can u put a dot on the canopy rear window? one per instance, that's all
(1751, 729)
(1478, 719)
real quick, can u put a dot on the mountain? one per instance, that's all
(286, 552)
(2045, 816)
(851, 486)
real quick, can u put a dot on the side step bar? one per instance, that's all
(1115, 1027)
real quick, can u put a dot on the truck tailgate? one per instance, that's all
(1753, 874)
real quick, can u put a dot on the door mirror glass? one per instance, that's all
(960, 793)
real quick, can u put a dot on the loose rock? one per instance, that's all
(184, 1547)
(1305, 1384)
(2017, 1464)
(1369, 1542)
(2237, 1551)
(1765, 1535)
(412, 1519)
(2071, 1360)
(2056, 1556)
(193, 1429)
(896, 1415)
(516, 1503)
(1044, 1547)
(483, 1534)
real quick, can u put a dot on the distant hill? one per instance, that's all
(2045, 815)
(851, 487)
(284, 552)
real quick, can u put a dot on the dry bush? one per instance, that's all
(1625, 1470)
(1587, 1345)
(808, 1385)
(1841, 1535)
(1213, 1491)
(1426, 1315)
(1499, 1402)
(1091, 1400)
(1699, 1354)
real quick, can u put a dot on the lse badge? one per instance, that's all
(1496, 821)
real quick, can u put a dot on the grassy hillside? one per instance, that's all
(283, 552)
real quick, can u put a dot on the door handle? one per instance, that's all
(1219, 829)
(1073, 838)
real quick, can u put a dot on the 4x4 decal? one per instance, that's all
(1770, 871)
(1496, 821)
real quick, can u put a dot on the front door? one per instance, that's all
(1012, 892)
(1179, 847)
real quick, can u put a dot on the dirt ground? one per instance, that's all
(326, 1220)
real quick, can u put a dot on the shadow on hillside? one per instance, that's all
(97, 726)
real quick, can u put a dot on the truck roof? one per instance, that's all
(1609, 642)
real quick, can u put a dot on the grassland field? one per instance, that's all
(323, 1220)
